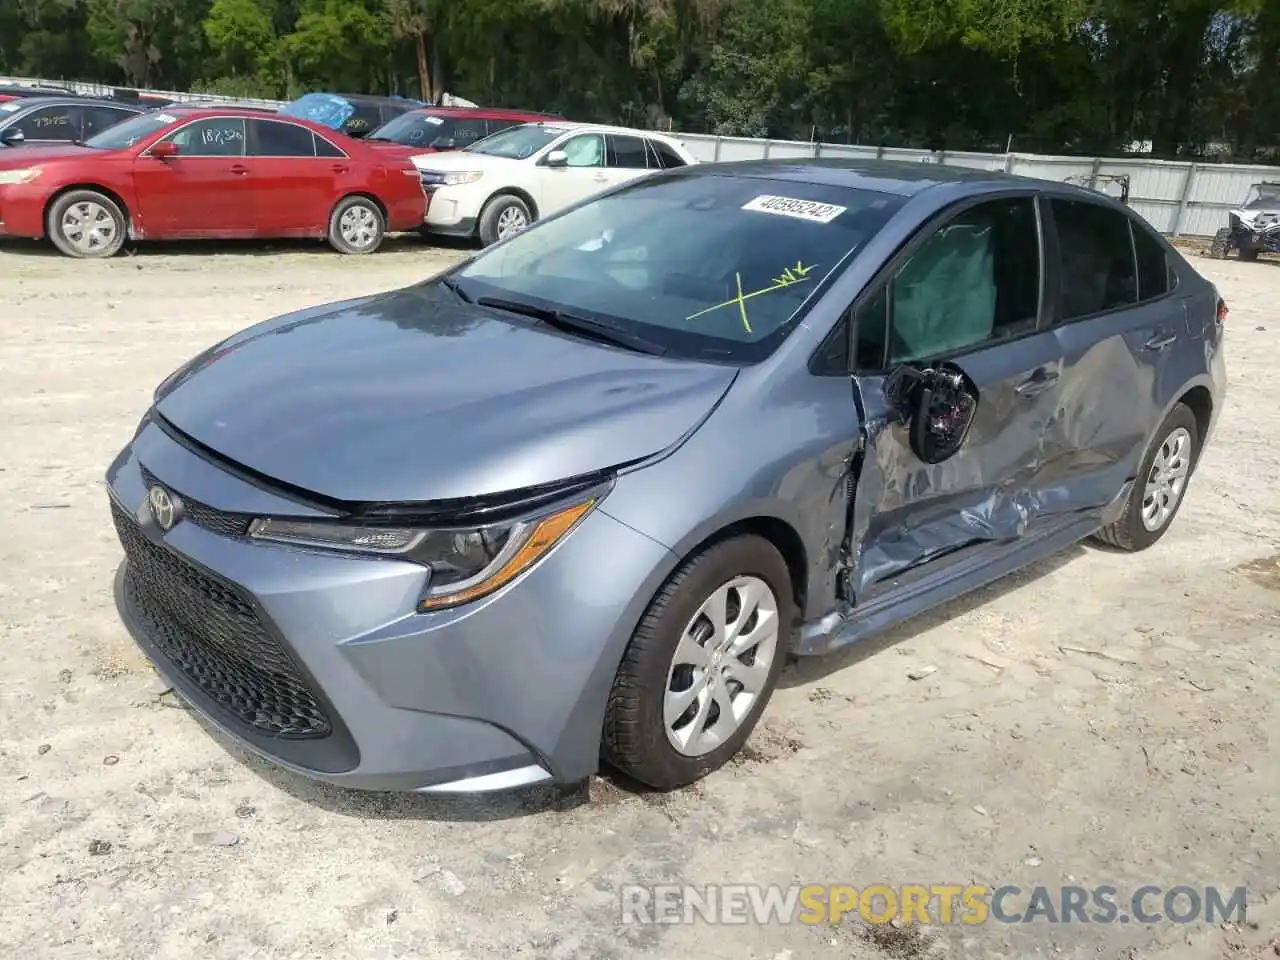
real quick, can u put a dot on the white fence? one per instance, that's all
(1176, 197)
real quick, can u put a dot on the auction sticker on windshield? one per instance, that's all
(794, 207)
(10, 107)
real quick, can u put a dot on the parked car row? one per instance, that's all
(93, 173)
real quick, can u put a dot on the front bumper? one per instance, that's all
(319, 662)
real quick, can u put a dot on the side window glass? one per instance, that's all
(628, 152)
(275, 138)
(668, 156)
(467, 132)
(1153, 265)
(584, 151)
(872, 325)
(976, 279)
(97, 119)
(324, 148)
(51, 123)
(1097, 258)
(215, 137)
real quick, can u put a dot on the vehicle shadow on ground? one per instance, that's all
(807, 670)
(394, 243)
(610, 786)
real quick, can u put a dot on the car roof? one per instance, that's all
(898, 177)
(46, 100)
(568, 125)
(487, 112)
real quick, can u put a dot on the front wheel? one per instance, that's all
(356, 226)
(503, 216)
(86, 224)
(702, 665)
(1160, 486)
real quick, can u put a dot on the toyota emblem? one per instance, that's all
(163, 509)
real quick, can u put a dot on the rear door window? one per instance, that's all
(275, 138)
(1154, 272)
(97, 119)
(1098, 269)
(628, 153)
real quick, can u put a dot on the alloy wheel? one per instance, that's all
(721, 665)
(1167, 479)
(511, 221)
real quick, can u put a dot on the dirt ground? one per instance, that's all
(1097, 719)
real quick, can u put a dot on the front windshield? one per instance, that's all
(1262, 195)
(713, 267)
(129, 132)
(517, 143)
(416, 129)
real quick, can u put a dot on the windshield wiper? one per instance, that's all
(571, 323)
(457, 291)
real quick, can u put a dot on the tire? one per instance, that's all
(356, 226)
(1218, 249)
(1249, 253)
(503, 216)
(87, 225)
(636, 739)
(1131, 532)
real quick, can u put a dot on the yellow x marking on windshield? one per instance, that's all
(789, 277)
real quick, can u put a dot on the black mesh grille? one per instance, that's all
(215, 521)
(211, 631)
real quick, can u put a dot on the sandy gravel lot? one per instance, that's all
(1097, 719)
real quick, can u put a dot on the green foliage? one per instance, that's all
(1055, 75)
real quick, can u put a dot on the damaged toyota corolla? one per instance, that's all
(580, 497)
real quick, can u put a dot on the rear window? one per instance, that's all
(1098, 271)
(713, 267)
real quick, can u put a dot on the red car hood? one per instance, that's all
(12, 158)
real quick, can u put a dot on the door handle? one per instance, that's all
(601, 178)
(1037, 383)
(1160, 341)
(339, 168)
(239, 169)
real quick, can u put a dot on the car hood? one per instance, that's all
(461, 160)
(417, 396)
(23, 156)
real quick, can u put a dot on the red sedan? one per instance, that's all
(208, 173)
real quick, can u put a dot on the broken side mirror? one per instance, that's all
(939, 404)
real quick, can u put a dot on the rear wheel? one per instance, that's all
(86, 224)
(1249, 253)
(503, 216)
(1160, 486)
(702, 665)
(1221, 243)
(356, 226)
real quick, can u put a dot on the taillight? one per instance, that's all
(1222, 311)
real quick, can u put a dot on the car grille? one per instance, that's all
(215, 521)
(212, 632)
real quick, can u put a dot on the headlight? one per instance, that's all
(25, 175)
(458, 178)
(466, 563)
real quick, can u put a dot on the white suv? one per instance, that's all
(501, 184)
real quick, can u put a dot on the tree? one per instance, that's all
(414, 20)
